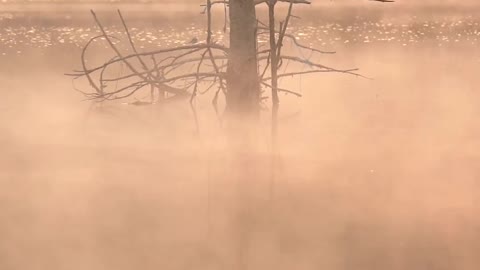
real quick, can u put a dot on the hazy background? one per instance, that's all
(374, 174)
(410, 2)
(314, 2)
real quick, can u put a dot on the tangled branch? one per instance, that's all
(163, 71)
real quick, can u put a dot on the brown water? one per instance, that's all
(373, 174)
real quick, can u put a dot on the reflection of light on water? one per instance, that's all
(359, 31)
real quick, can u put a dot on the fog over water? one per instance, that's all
(379, 173)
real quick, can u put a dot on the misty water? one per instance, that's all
(377, 173)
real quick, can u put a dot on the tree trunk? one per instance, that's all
(243, 88)
(243, 109)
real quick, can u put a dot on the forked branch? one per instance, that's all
(166, 70)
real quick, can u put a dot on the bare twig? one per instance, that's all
(166, 70)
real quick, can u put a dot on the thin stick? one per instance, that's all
(274, 87)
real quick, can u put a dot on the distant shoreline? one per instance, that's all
(76, 6)
(189, 7)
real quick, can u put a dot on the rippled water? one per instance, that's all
(23, 31)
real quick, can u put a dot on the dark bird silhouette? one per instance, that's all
(193, 41)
